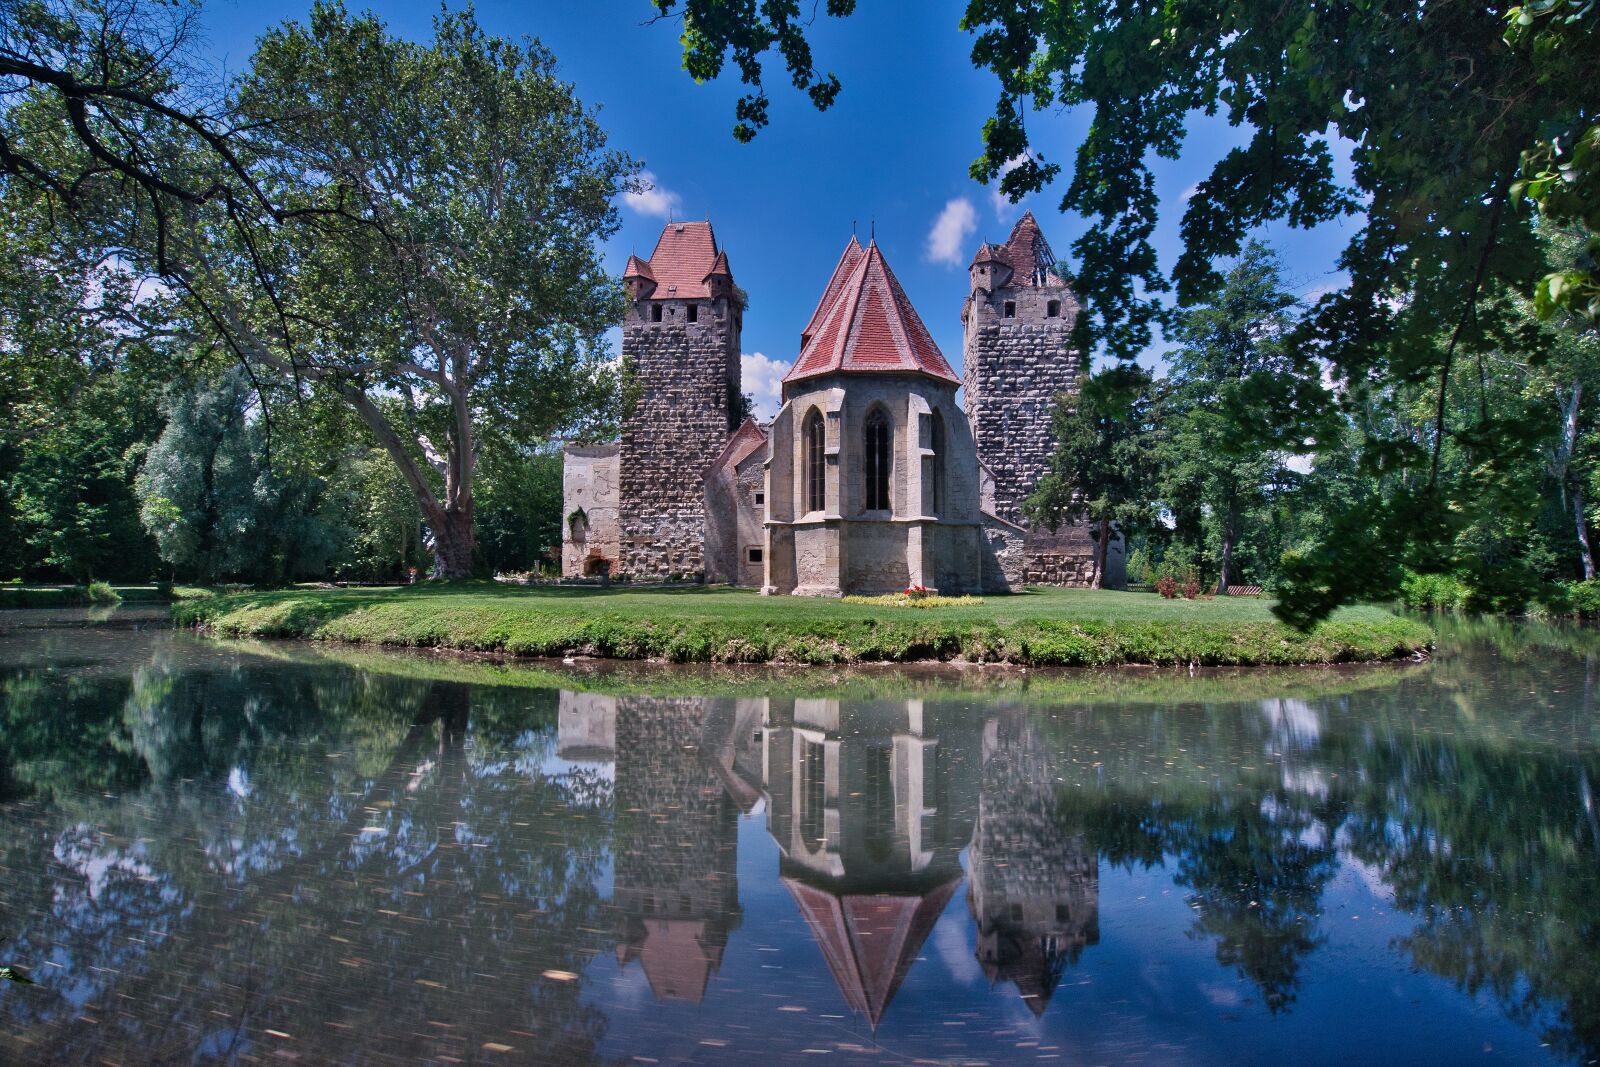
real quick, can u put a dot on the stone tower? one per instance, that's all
(1017, 322)
(681, 340)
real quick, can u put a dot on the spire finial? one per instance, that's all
(874, 230)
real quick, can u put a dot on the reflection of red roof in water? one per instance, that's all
(870, 941)
(676, 957)
(865, 322)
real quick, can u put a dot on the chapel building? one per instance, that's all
(874, 476)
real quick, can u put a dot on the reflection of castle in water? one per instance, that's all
(870, 804)
(674, 882)
(1035, 890)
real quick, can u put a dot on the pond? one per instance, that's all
(238, 853)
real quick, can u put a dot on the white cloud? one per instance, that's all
(1188, 194)
(1003, 207)
(947, 240)
(651, 199)
(763, 380)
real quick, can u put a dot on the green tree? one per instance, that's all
(454, 264)
(1103, 469)
(1245, 399)
(215, 504)
(519, 516)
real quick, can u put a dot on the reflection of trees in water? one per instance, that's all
(373, 884)
(1470, 790)
(328, 852)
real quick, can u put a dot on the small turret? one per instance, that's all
(719, 279)
(637, 279)
(988, 269)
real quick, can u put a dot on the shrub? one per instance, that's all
(1434, 592)
(102, 593)
(1191, 588)
(1167, 586)
(1580, 598)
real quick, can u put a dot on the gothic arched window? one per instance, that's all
(815, 439)
(876, 457)
(936, 465)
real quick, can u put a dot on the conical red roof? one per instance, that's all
(637, 268)
(866, 324)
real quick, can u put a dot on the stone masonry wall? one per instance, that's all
(688, 376)
(1014, 368)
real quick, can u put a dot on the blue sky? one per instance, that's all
(894, 149)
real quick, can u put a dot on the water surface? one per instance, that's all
(218, 852)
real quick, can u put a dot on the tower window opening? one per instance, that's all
(1053, 309)
(655, 312)
(877, 461)
(1011, 309)
(694, 313)
(815, 438)
(755, 555)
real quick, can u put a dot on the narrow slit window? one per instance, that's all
(655, 312)
(816, 438)
(877, 459)
(1011, 309)
(936, 465)
(694, 312)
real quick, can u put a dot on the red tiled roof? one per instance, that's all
(866, 323)
(745, 440)
(637, 268)
(719, 266)
(684, 257)
(841, 274)
(1026, 253)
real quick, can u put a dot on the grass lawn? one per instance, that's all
(1066, 627)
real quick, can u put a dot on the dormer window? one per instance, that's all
(1052, 310)
(694, 312)
(655, 312)
(1011, 309)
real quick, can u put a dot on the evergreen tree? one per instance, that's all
(1104, 466)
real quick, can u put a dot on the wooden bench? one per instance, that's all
(1244, 590)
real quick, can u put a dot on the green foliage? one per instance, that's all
(714, 32)
(519, 512)
(219, 507)
(1435, 592)
(102, 593)
(1104, 465)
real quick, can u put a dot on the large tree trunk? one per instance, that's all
(1585, 551)
(453, 541)
(1102, 543)
(1230, 527)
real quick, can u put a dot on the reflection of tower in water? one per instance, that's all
(1035, 888)
(870, 805)
(674, 882)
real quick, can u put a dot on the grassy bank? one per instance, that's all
(1039, 628)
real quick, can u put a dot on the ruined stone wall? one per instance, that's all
(1013, 369)
(589, 486)
(688, 379)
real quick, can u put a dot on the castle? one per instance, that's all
(871, 478)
